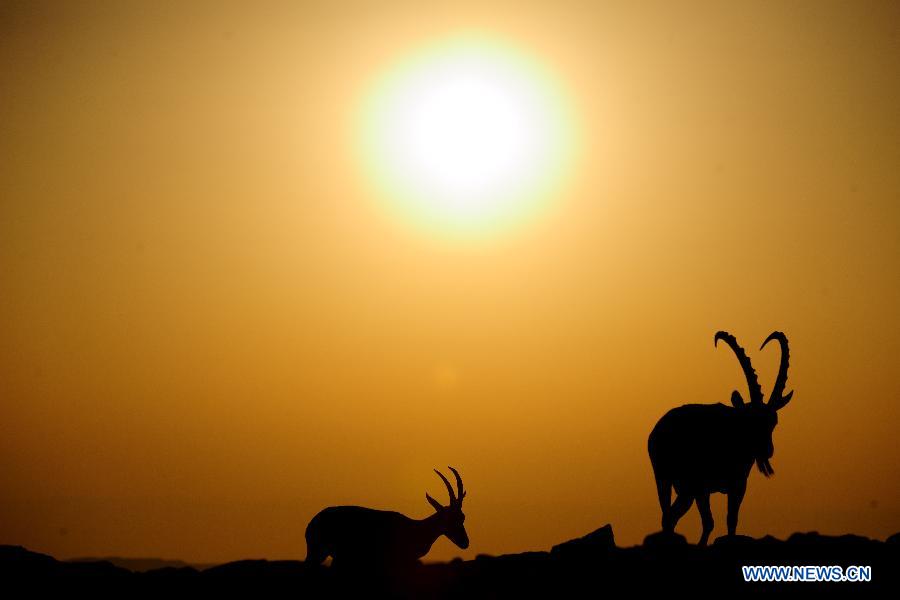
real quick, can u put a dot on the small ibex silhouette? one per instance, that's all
(704, 448)
(357, 536)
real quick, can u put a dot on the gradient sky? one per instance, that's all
(211, 327)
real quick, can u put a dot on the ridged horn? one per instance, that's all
(460, 492)
(756, 396)
(778, 399)
(449, 487)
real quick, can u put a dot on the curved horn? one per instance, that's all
(460, 492)
(449, 487)
(756, 396)
(777, 399)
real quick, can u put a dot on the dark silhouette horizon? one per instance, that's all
(592, 563)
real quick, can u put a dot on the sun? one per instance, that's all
(466, 137)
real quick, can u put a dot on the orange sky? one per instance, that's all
(211, 328)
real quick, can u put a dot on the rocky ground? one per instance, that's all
(589, 566)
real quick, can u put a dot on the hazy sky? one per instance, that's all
(211, 327)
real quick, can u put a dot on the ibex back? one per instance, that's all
(703, 448)
(357, 536)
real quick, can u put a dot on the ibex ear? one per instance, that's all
(437, 505)
(736, 400)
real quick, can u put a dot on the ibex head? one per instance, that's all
(760, 417)
(452, 517)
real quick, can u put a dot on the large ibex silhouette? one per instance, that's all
(357, 536)
(703, 448)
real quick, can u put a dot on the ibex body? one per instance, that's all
(699, 449)
(357, 536)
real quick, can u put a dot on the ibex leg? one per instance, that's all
(315, 555)
(705, 517)
(664, 491)
(735, 497)
(679, 507)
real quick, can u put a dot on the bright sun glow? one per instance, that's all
(466, 137)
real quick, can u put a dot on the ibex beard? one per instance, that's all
(699, 449)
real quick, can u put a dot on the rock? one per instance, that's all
(139, 565)
(814, 538)
(734, 540)
(600, 541)
(770, 539)
(661, 539)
